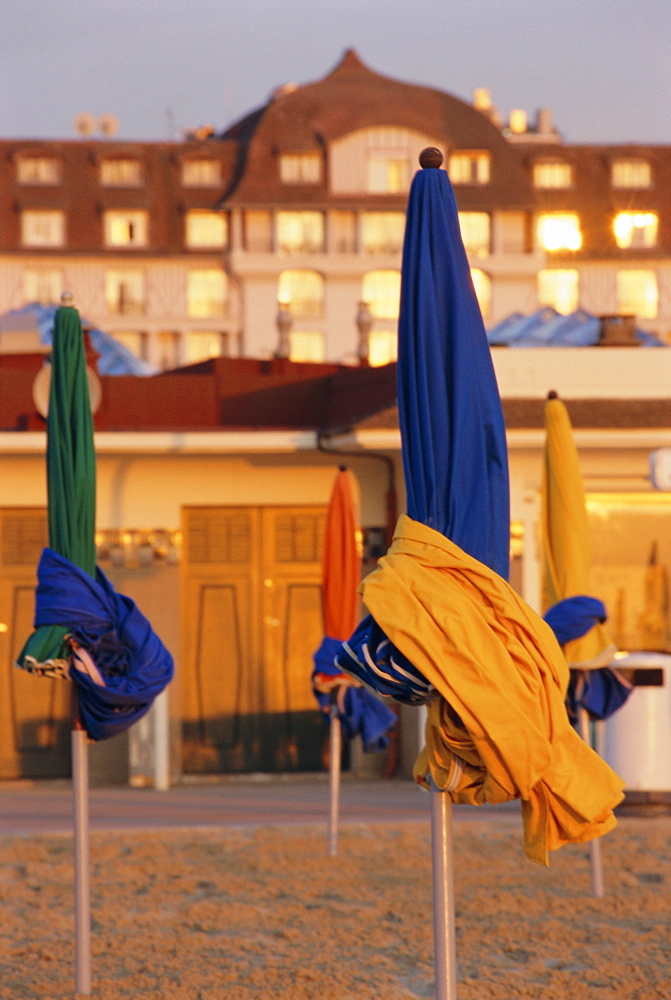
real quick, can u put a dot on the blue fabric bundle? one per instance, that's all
(603, 690)
(134, 663)
(362, 713)
(372, 658)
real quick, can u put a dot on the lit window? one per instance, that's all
(38, 170)
(134, 341)
(469, 168)
(382, 346)
(303, 292)
(631, 174)
(201, 173)
(121, 173)
(204, 344)
(382, 291)
(553, 175)
(169, 347)
(637, 293)
(482, 284)
(41, 286)
(300, 232)
(306, 345)
(635, 230)
(558, 288)
(206, 229)
(124, 293)
(300, 168)
(559, 231)
(125, 228)
(382, 232)
(207, 293)
(475, 232)
(387, 173)
(42, 229)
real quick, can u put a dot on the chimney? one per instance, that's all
(617, 331)
(517, 121)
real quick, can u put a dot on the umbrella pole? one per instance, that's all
(445, 950)
(335, 739)
(80, 801)
(594, 845)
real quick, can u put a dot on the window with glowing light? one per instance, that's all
(469, 167)
(483, 290)
(476, 232)
(206, 293)
(201, 173)
(125, 228)
(382, 291)
(637, 293)
(121, 173)
(559, 231)
(302, 291)
(124, 292)
(558, 287)
(206, 229)
(38, 170)
(43, 286)
(631, 174)
(306, 345)
(635, 230)
(553, 174)
(300, 232)
(382, 232)
(42, 228)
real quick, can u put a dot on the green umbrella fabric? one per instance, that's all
(71, 480)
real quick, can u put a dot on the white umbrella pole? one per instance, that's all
(594, 845)
(445, 949)
(80, 783)
(335, 739)
(161, 713)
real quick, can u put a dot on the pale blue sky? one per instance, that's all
(602, 66)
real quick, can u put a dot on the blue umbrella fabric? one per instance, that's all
(603, 690)
(497, 726)
(119, 665)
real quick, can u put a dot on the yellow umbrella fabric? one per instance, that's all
(566, 536)
(500, 731)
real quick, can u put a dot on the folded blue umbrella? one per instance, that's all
(132, 661)
(600, 691)
(360, 712)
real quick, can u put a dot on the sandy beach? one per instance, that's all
(235, 914)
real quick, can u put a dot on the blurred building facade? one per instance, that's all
(283, 234)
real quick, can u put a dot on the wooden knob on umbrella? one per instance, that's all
(430, 157)
(553, 394)
(67, 299)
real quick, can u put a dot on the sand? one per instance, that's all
(264, 913)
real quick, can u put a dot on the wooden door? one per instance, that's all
(34, 711)
(251, 620)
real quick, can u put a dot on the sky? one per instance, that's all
(163, 66)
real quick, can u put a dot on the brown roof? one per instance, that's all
(351, 97)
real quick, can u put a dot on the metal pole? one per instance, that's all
(80, 801)
(335, 740)
(161, 713)
(594, 845)
(445, 949)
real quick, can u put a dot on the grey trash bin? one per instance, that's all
(638, 735)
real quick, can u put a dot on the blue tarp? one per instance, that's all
(548, 328)
(114, 358)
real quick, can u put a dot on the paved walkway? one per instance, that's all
(28, 808)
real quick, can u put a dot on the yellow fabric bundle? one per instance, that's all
(499, 729)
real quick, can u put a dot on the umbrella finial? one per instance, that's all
(67, 299)
(553, 394)
(430, 157)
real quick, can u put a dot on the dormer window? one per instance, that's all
(38, 170)
(121, 173)
(387, 173)
(635, 230)
(201, 173)
(300, 168)
(469, 167)
(552, 174)
(631, 173)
